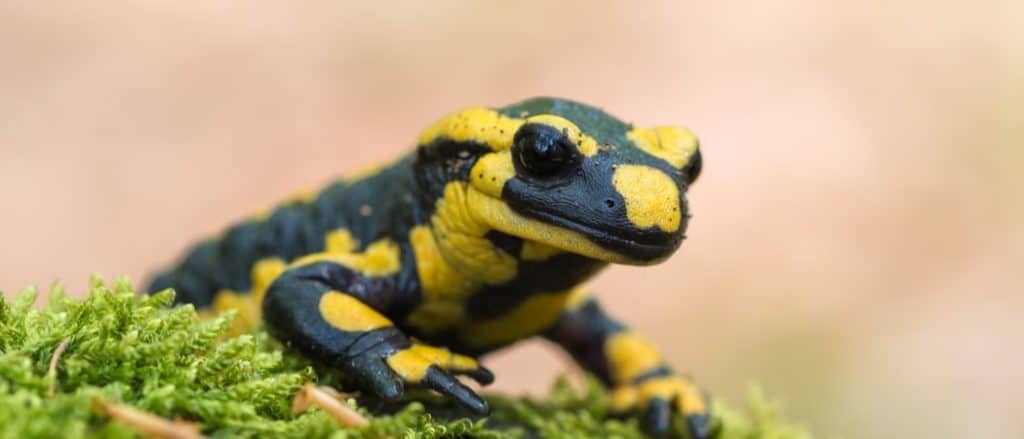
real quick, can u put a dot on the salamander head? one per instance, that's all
(573, 177)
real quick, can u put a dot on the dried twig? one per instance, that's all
(54, 359)
(147, 423)
(329, 401)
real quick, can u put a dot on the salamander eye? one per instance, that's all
(542, 150)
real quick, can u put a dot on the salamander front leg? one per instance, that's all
(638, 376)
(311, 309)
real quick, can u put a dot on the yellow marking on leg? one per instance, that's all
(528, 318)
(445, 358)
(624, 398)
(408, 365)
(652, 198)
(264, 272)
(381, 258)
(673, 388)
(349, 314)
(629, 356)
(675, 145)
(247, 311)
(577, 297)
(412, 363)
(340, 241)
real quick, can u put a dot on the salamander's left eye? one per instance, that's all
(542, 150)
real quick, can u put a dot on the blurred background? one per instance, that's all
(857, 240)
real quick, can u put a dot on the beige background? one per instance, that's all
(857, 239)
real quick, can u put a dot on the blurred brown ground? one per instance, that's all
(857, 240)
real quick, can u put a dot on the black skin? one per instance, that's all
(389, 204)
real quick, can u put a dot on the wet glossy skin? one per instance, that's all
(482, 236)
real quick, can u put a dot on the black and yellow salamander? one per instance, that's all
(478, 238)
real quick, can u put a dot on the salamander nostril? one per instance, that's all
(610, 203)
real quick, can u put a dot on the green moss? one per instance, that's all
(143, 353)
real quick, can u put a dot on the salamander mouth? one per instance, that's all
(644, 249)
(569, 235)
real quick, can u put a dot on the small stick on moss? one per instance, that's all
(147, 423)
(310, 394)
(52, 371)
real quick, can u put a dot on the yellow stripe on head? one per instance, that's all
(674, 145)
(480, 125)
(652, 198)
(587, 145)
(495, 130)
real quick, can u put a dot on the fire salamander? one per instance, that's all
(478, 238)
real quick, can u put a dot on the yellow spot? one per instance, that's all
(460, 238)
(433, 316)
(264, 272)
(454, 260)
(481, 125)
(408, 365)
(340, 241)
(491, 171)
(652, 198)
(412, 363)
(488, 127)
(445, 358)
(630, 356)
(498, 215)
(444, 289)
(381, 258)
(349, 314)
(675, 145)
(577, 297)
(528, 318)
(537, 252)
(586, 144)
(247, 310)
(624, 398)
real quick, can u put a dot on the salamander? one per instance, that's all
(482, 235)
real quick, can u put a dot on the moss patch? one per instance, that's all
(140, 352)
